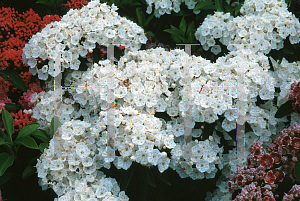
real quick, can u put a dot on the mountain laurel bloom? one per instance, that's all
(266, 161)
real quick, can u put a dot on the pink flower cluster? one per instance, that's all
(295, 96)
(267, 166)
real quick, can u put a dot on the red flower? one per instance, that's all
(267, 198)
(266, 161)
(286, 141)
(277, 157)
(241, 180)
(296, 143)
(269, 177)
(279, 174)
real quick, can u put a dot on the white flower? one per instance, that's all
(82, 150)
(56, 165)
(202, 165)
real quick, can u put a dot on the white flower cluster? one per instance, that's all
(285, 74)
(263, 27)
(146, 82)
(166, 6)
(63, 42)
(74, 175)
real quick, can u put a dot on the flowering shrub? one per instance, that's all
(16, 29)
(264, 170)
(152, 81)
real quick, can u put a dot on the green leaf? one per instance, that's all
(8, 122)
(41, 135)
(43, 146)
(6, 160)
(27, 130)
(297, 169)
(182, 26)
(126, 177)
(147, 175)
(162, 176)
(148, 20)
(201, 5)
(140, 16)
(27, 142)
(176, 38)
(228, 8)
(9, 106)
(284, 109)
(29, 170)
(45, 2)
(174, 31)
(149, 33)
(5, 177)
(54, 124)
(191, 38)
(183, 39)
(219, 6)
(14, 78)
(237, 10)
(191, 28)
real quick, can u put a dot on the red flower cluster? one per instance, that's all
(21, 119)
(292, 194)
(252, 178)
(76, 4)
(295, 96)
(15, 31)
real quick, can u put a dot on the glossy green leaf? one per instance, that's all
(29, 170)
(27, 142)
(284, 109)
(219, 6)
(162, 176)
(149, 33)
(176, 38)
(191, 28)
(42, 146)
(209, 7)
(201, 5)
(27, 130)
(182, 26)
(54, 124)
(41, 135)
(14, 78)
(8, 122)
(9, 106)
(174, 31)
(191, 38)
(6, 160)
(4, 137)
(228, 7)
(147, 175)
(238, 8)
(140, 16)
(5, 177)
(297, 169)
(148, 20)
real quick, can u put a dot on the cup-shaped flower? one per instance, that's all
(269, 177)
(266, 161)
